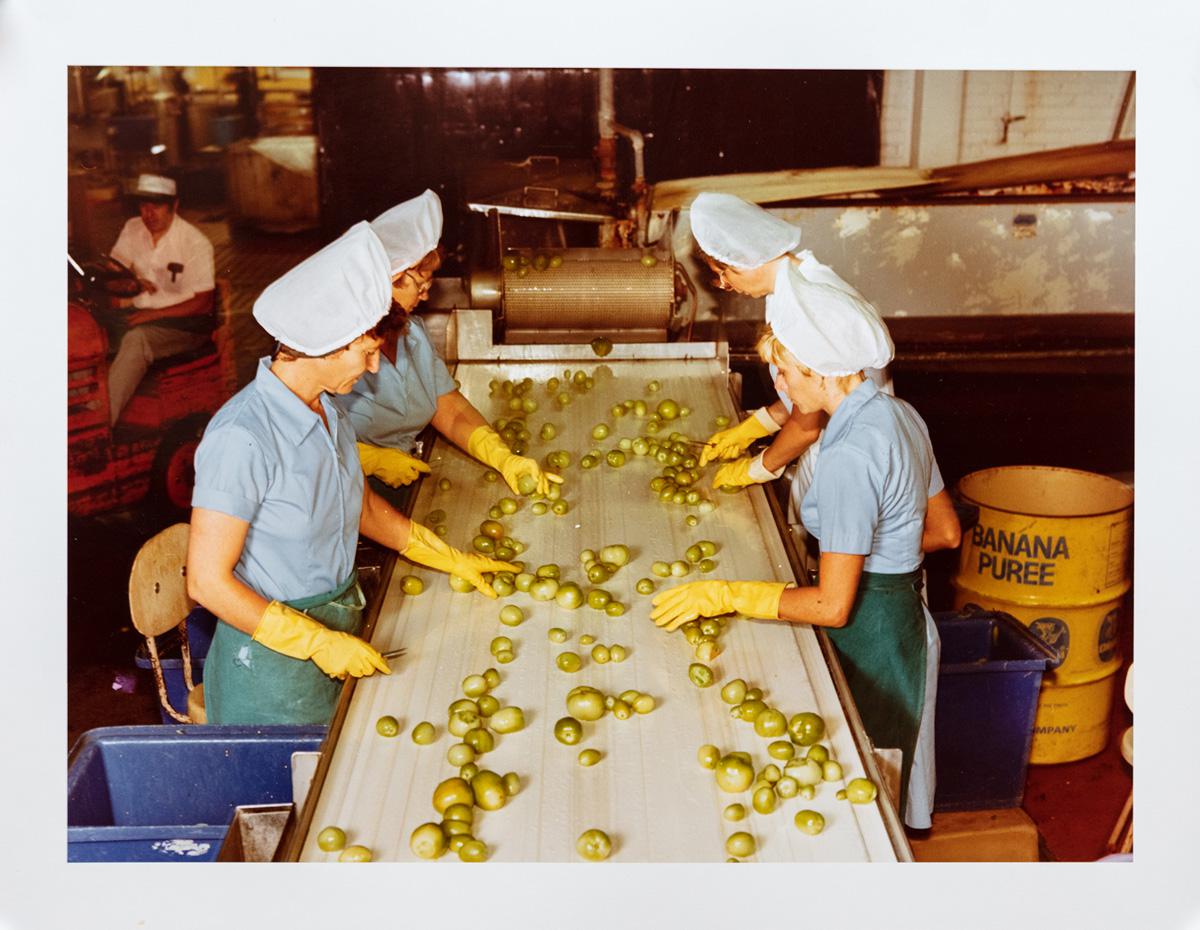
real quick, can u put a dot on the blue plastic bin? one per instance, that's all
(988, 682)
(200, 626)
(167, 794)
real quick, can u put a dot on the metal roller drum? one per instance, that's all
(586, 294)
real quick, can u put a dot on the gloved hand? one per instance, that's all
(292, 633)
(676, 606)
(743, 472)
(425, 547)
(391, 466)
(486, 445)
(732, 442)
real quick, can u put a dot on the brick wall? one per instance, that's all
(1060, 108)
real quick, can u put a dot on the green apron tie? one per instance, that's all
(245, 682)
(882, 651)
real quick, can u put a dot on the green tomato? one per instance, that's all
(652, 387)
(818, 753)
(387, 725)
(589, 461)
(543, 589)
(701, 675)
(643, 704)
(708, 755)
(526, 485)
(444, 484)
(617, 652)
(488, 705)
(668, 409)
(749, 710)
(861, 790)
(569, 596)
(559, 507)
(734, 692)
(597, 573)
(586, 703)
(512, 783)
(831, 771)
(589, 757)
(557, 635)
(764, 800)
(706, 565)
(331, 839)
(598, 598)
(781, 749)
(679, 569)
(600, 431)
(412, 585)
(733, 773)
(488, 790)
(600, 654)
(503, 584)
(806, 728)
(504, 656)
(615, 458)
(586, 639)
(479, 739)
(501, 643)
(568, 731)
(473, 850)
(460, 754)
(474, 685)
(787, 787)
(806, 773)
(355, 854)
(594, 845)
(538, 508)
(614, 609)
(707, 649)
(644, 586)
(662, 569)
(770, 722)
(740, 844)
(693, 554)
(452, 791)
(810, 822)
(460, 585)
(622, 710)
(424, 733)
(617, 555)
(569, 662)
(734, 812)
(707, 547)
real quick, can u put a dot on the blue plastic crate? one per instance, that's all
(200, 626)
(988, 683)
(167, 794)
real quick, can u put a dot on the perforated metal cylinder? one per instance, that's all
(590, 294)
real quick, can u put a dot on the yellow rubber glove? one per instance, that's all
(732, 442)
(486, 445)
(427, 548)
(743, 472)
(286, 630)
(391, 466)
(676, 606)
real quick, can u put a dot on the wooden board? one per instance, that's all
(648, 791)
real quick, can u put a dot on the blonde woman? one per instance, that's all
(876, 504)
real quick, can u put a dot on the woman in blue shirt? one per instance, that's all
(279, 501)
(412, 388)
(876, 504)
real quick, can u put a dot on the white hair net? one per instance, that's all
(331, 298)
(830, 329)
(409, 231)
(738, 233)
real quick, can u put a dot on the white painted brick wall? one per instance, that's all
(895, 124)
(1061, 108)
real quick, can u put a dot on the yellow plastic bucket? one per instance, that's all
(1051, 547)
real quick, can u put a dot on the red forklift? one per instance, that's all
(146, 459)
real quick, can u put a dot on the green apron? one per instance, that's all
(882, 651)
(245, 682)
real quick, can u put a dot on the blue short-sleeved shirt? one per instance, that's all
(266, 458)
(390, 407)
(873, 479)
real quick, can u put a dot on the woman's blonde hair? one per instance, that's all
(774, 352)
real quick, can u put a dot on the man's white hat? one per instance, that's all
(409, 231)
(154, 185)
(830, 330)
(331, 298)
(740, 234)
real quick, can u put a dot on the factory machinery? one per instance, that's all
(543, 315)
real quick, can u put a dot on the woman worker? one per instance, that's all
(412, 387)
(280, 499)
(869, 506)
(754, 253)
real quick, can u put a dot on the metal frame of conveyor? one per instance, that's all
(349, 749)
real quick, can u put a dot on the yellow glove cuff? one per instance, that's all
(759, 599)
(485, 445)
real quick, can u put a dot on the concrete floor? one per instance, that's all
(1074, 805)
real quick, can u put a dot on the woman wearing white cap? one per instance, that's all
(755, 253)
(279, 502)
(869, 506)
(412, 387)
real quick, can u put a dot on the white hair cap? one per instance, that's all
(154, 185)
(409, 231)
(331, 298)
(830, 329)
(738, 233)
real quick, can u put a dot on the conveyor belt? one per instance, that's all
(648, 792)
